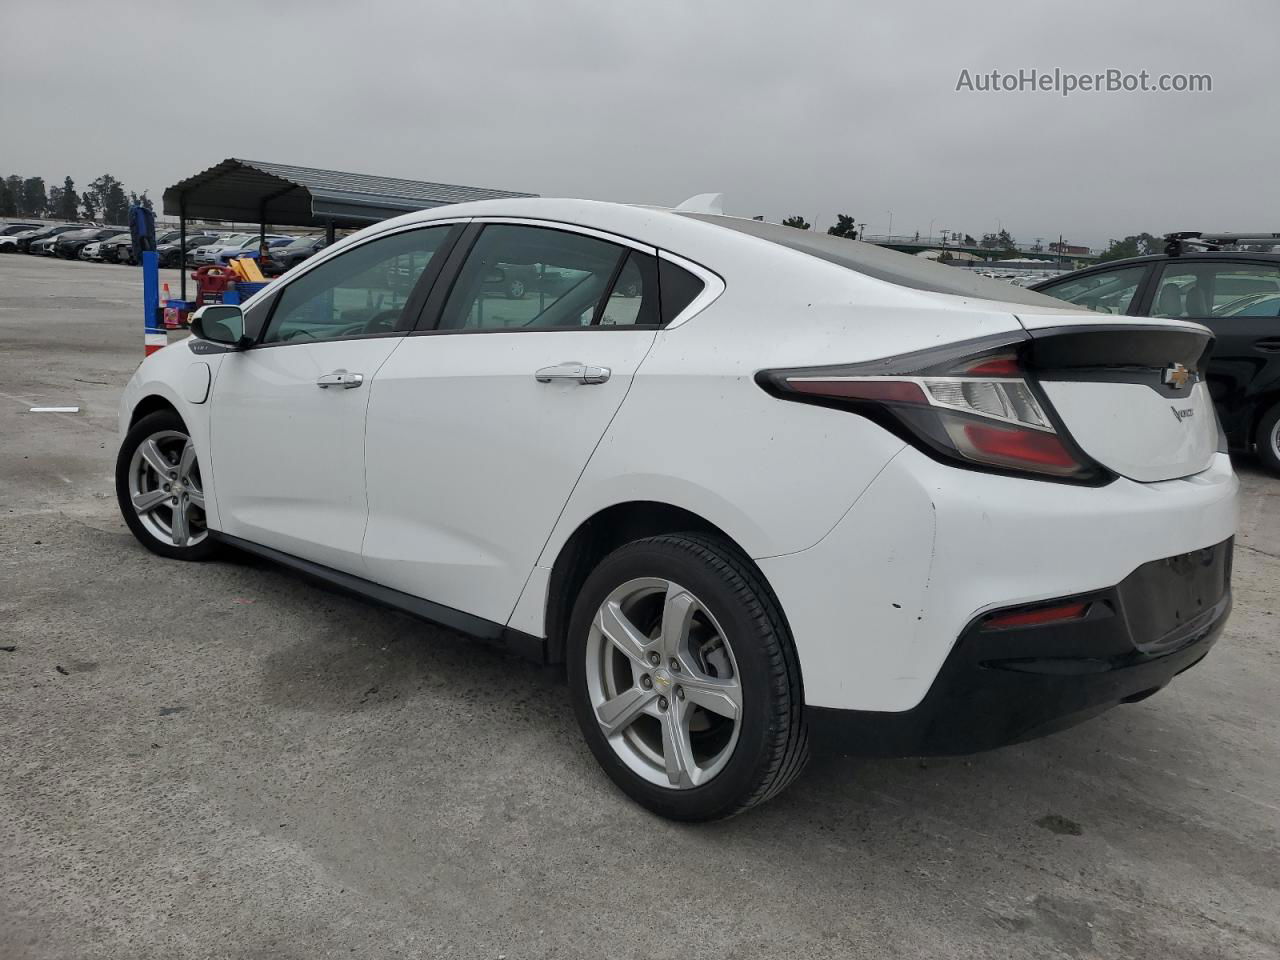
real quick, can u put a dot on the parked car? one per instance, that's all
(44, 246)
(1235, 293)
(250, 247)
(207, 253)
(286, 256)
(117, 249)
(67, 245)
(91, 251)
(805, 486)
(8, 244)
(170, 253)
(10, 229)
(29, 237)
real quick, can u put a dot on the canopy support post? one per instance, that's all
(182, 246)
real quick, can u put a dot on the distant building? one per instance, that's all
(1068, 249)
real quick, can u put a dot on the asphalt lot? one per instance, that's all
(224, 760)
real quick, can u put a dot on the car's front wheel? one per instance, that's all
(160, 489)
(684, 678)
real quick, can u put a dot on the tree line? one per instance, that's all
(846, 225)
(104, 199)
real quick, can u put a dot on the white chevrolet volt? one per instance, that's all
(749, 485)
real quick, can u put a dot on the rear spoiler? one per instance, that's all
(1175, 244)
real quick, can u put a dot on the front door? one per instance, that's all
(288, 414)
(479, 429)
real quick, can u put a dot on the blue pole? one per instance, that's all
(154, 336)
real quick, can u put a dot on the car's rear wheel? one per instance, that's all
(1269, 439)
(160, 489)
(684, 679)
(515, 289)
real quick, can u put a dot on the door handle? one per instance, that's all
(1269, 345)
(340, 378)
(575, 371)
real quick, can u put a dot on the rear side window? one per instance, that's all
(1215, 289)
(679, 289)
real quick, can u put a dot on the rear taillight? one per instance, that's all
(980, 409)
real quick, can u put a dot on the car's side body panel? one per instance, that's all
(288, 457)
(475, 458)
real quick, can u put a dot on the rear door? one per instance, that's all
(480, 426)
(1239, 300)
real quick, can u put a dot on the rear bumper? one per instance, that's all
(1001, 686)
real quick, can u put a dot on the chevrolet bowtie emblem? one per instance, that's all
(1178, 376)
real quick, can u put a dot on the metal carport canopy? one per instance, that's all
(253, 191)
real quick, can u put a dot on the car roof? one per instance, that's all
(709, 239)
(1188, 255)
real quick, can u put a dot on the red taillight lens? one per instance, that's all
(1037, 616)
(1019, 447)
(980, 409)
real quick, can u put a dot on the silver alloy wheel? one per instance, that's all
(1275, 440)
(663, 683)
(166, 490)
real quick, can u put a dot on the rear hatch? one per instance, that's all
(1130, 392)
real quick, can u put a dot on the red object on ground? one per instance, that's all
(212, 282)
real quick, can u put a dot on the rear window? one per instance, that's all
(882, 263)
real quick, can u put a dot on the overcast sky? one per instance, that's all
(797, 107)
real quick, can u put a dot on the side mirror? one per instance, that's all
(220, 323)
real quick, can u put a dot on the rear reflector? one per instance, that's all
(1037, 616)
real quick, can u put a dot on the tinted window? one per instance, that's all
(1258, 305)
(361, 291)
(633, 301)
(1108, 291)
(518, 278)
(1213, 289)
(679, 288)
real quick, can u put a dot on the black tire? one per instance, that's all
(1268, 439)
(772, 744)
(516, 289)
(162, 422)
